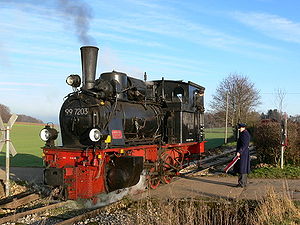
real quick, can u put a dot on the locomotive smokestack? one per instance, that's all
(89, 63)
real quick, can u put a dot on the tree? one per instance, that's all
(5, 113)
(274, 115)
(212, 120)
(28, 119)
(295, 118)
(280, 98)
(242, 98)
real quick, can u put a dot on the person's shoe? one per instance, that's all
(239, 186)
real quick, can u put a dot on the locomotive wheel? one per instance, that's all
(167, 177)
(153, 180)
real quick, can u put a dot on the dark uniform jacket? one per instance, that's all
(243, 164)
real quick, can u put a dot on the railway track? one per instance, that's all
(211, 161)
(63, 213)
(16, 216)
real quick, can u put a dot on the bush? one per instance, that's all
(267, 140)
(292, 151)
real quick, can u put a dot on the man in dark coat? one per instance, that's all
(242, 167)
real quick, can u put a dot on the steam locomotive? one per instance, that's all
(116, 127)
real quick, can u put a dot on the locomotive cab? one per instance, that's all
(184, 110)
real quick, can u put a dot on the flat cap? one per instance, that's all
(241, 125)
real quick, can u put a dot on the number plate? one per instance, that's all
(116, 134)
(76, 111)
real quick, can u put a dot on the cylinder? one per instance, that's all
(89, 56)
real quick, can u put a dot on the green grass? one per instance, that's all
(26, 140)
(288, 172)
(215, 137)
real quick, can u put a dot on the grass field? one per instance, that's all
(27, 142)
(216, 136)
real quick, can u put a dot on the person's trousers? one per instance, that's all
(242, 180)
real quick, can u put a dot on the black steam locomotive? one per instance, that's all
(116, 126)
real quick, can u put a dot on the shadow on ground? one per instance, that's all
(22, 160)
(213, 143)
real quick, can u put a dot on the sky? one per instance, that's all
(194, 40)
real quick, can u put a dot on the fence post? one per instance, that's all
(283, 139)
(7, 187)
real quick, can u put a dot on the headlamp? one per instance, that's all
(73, 80)
(48, 134)
(45, 134)
(95, 135)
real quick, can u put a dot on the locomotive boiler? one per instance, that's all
(116, 127)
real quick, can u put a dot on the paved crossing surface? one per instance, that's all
(224, 187)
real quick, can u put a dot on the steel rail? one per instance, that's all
(16, 216)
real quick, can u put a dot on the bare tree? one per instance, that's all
(280, 100)
(243, 98)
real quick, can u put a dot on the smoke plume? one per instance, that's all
(80, 14)
(76, 12)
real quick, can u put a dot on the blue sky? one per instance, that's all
(201, 41)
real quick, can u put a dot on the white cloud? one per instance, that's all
(154, 28)
(24, 84)
(10, 89)
(271, 25)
